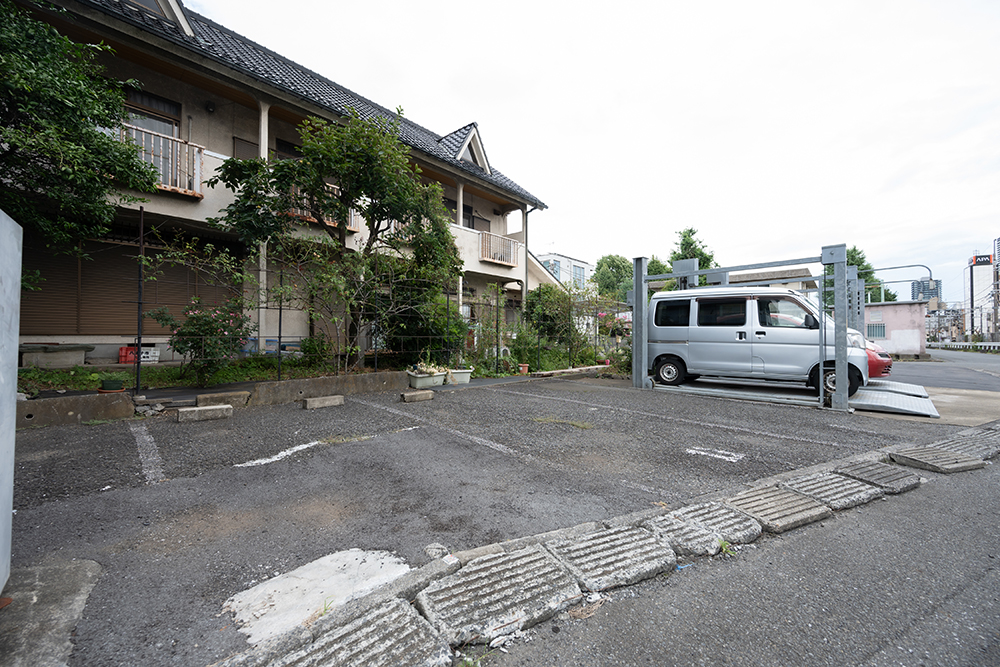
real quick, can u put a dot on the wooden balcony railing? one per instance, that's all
(497, 249)
(178, 162)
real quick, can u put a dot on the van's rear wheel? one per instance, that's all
(830, 381)
(669, 371)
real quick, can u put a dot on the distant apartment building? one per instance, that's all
(925, 289)
(567, 270)
(979, 288)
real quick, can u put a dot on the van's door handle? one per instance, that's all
(761, 334)
(741, 335)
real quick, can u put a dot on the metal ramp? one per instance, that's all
(897, 388)
(899, 398)
(878, 396)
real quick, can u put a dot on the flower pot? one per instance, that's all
(460, 375)
(523, 368)
(424, 380)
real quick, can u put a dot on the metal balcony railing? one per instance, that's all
(497, 249)
(178, 162)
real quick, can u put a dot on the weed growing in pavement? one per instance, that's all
(553, 420)
(726, 549)
(474, 660)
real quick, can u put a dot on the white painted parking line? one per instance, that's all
(496, 446)
(732, 457)
(278, 456)
(674, 419)
(149, 455)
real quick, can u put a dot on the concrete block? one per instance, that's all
(936, 460)
(614, 557)
(78, 409)
(290, 391)
(322, 402)
(686, 538)
(223, 398)
(498, 595)
(977, 444)
(732, 526)
(889, 478)
(835, 491)
(779, 509)
(204, 413)
(415, 396)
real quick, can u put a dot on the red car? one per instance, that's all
(879, 361)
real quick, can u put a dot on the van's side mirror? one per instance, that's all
(811, 322)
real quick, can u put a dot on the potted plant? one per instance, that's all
(425, 374)
(460, 375)
(111, 381)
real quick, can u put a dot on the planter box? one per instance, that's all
(425, 381)
(461, 375)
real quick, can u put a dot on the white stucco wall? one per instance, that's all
(905, 325)
(10, 310)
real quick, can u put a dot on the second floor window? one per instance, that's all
(157, 121)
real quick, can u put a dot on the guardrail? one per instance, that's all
(972, 347)
(497, 249)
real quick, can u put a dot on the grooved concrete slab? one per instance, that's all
(889, 478)
(686, 538)
(835, 491)
(388, 635)
(982, 444)
(936, 460)
(204, 413)
(732, 526)
(779, 509)
(497, 595)
(322, 402)
(614, 557)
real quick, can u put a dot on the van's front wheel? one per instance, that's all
(669, 371)
(830, 381)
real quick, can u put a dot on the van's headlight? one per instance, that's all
(855, 339)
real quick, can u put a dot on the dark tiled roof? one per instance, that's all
(225, 46)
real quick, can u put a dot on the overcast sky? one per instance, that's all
(773, 128)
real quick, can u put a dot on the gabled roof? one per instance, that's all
(222, 45)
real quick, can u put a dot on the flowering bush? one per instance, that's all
(611, 324)
(209, 336)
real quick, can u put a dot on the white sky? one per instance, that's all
(773, 128)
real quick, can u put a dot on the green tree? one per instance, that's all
(689, 247)
(63, 163)
(613, 276)
(874, 289)
(407, 254)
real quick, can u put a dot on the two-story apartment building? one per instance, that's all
(208, 94)
(567, 270)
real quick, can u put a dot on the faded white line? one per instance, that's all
(278, 456)
(298, 448)
(732, 457)
(149, 455)
(672, 418)
(503, 449)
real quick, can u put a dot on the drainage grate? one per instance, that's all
(981, 445)
(686, 538)
(732, 526)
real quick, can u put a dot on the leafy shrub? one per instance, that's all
(210, 336)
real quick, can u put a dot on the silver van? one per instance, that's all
(766, 333)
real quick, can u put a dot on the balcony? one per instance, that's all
(354, 220)
(497, 249)
(178, 162)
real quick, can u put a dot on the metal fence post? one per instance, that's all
(837, 255)
(640, 307)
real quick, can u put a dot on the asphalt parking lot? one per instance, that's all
(176, 534)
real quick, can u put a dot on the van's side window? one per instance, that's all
(778, 312)
(673, 313)
(722, 312)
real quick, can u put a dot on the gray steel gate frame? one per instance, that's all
(848, 305)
